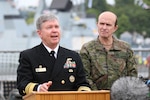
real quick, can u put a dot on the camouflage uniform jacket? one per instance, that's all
(104, 67)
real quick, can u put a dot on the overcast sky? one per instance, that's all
(34, 3)
(112, 2)
(26, 3)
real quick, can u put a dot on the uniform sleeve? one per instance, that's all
(86, 60)
(82, 83)
(131, 63)
(24, 76)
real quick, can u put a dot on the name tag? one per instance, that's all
(40, 69)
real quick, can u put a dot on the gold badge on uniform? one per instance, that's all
(72, 78)
(40, 69)
(62, 81)
(71, 70)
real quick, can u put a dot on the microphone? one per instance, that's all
(129, 88)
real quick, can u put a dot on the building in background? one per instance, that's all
(16, 34)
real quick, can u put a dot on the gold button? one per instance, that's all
(72, 78)
(63, 81)
(70, 70)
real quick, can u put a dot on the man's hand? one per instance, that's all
(44, 87)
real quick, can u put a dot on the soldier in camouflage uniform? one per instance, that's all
(107, 58)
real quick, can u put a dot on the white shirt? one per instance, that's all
(49, 49)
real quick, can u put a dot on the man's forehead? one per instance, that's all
(107, 20)
(107, 13)
(107, 17)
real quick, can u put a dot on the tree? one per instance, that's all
(131, 17)
(98, 6)
(124, 24)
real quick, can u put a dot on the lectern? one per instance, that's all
(69, 95)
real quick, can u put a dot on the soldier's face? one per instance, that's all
(106, 25)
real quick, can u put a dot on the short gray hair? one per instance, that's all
(43, 18)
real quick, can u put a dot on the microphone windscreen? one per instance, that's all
(129, 88)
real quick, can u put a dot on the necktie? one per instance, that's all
(52, 57)
(52, 54)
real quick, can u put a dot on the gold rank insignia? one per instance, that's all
(72, 78)
(40, 69)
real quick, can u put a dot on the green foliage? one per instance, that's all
(100, 5)
(97, 7)
(147, 2)
(131, 17)
(30, 18)
(121, 3)
(124, 24)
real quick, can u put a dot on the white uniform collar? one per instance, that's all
(49, 49)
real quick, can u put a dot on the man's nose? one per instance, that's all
(104, 26)
(54, 29)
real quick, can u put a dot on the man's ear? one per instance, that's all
(115, 28)
(39, 32)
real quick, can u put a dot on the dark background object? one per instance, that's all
(61, 5)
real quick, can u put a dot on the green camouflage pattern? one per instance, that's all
(104, 67)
